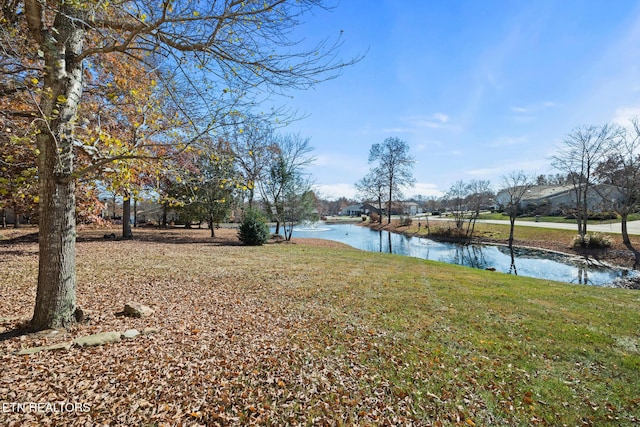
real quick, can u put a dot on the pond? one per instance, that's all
(523, 262)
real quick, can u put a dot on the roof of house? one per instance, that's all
(538, 192)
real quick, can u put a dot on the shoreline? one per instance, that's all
(613, 257)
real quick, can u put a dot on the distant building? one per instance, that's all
(557, 198)
(352, 210)
(397, 208)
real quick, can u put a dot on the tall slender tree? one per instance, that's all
(372, 187)
(291, 156)
(621, 171)
(395, 166)
(516, 186)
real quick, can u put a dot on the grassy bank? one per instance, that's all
(314, 333)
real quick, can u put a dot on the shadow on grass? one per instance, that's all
(19, 330)
(177, 236)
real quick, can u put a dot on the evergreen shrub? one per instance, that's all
(254, 230)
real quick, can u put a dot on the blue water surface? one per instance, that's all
(526, 262)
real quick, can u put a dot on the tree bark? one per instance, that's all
(56, 292)
(627, 241)
(512, 224)
(126, 217)
(135, 213)
(212, 226)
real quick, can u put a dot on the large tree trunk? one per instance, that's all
(212, 226)
(56, 296)
(135, 213)
(126, 217)
(56, 293)
(627, 241)
(16, 216)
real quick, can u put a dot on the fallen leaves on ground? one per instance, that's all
(250, 336)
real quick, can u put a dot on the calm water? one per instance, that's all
(530, 263)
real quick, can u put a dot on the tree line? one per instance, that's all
(591, 160)
(137, 94)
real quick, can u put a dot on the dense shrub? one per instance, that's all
(254, 230)
(405, 221)
(595, 240)
(602, 216)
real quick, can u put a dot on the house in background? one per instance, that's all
(558, 198)
(352, 210)
(397, 208)
(411, 208)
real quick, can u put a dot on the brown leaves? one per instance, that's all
(245, 343)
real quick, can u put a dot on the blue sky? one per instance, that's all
(476, 88)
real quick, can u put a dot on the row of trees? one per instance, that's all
(229, 176)
(127, 94)
(592, 160)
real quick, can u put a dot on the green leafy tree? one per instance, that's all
(299, 204)
(246, 45)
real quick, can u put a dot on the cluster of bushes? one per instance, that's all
(595, 240)
(405, 221)
(448, 233)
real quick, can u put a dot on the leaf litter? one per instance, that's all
(237, 341)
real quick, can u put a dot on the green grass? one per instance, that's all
(560, 219)
(476, 346)
(371, 339)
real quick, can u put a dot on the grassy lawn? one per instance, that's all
(318, 334)
(560, 219)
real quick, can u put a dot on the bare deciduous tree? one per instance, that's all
(394, 164)
(581, 151)
(621, 170)
(372, 188)
(517, 184)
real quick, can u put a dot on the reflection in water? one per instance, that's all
(512, 268)
(530, 263)
(468, 255)
(583, 276)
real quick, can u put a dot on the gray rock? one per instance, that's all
(97, 339)
(135, 309)
(130, 333)
(33, 350)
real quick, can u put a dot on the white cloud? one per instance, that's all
(423, 189)
(441, 117)
(335, 191)
(526, 109)
(507, 141)
(622, 115)
(520, 109)
(419, 122)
